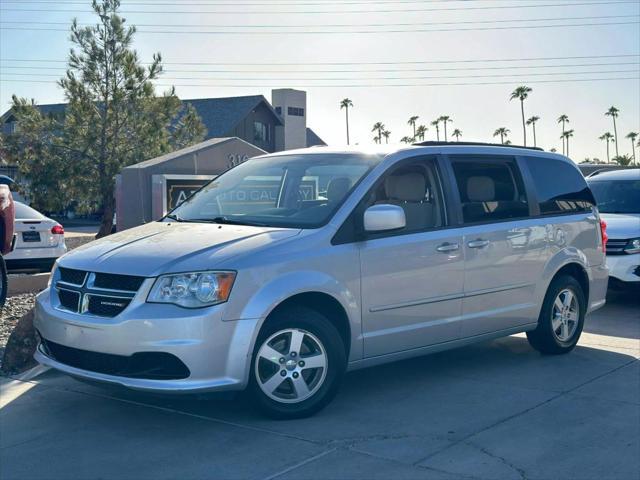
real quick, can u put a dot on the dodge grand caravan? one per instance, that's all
(292, 268)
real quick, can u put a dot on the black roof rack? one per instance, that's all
(478, 144)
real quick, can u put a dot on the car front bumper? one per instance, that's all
(625, 268)
(217, 353)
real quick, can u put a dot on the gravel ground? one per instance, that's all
(12, 311)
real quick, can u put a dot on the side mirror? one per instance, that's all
(382, 218)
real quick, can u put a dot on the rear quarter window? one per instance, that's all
(560, 187)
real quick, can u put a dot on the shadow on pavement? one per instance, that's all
(620, 317)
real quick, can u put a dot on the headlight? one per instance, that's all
(192, 290)
(632, 246)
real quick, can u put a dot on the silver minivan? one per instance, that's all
(292, 268)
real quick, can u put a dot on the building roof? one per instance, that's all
(219, 115)
(193, 149)
(314, 140)
(50, 109)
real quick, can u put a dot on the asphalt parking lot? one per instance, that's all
(494, 410)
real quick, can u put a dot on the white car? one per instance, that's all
(618, 195)
(39, 241)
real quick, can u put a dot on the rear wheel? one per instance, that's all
(4, 282)
(298, 363)
(561, 319)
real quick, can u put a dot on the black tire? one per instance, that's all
(544, 338)
(314, 323)
(4, 282)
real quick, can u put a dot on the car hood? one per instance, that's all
(622, 225)
(165, 247)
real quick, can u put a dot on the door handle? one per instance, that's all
(478, 243)
(447, 247)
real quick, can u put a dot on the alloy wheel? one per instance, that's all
(565, 315)
(291, 365)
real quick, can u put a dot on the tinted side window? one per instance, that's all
(560, 187)
(490, 191)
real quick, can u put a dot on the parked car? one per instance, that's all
(6, 232)
(39, 241)
(289, 269)
(618, 196)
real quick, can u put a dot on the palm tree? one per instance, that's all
(378, 127)
(567, 135)
(421, 131)
(346, 104)
(412, 121)
(624, 160)
(445, 119)
(386, 134)
(502, 132)
(532, 121)
(632, 136)
(457, 133)
(406, 140)
(521, 93)
(563, 119)
(613, 113)
(607, 137)
(436, 123)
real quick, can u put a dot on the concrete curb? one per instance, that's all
(34, 283)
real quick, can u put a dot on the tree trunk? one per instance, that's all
(445, 131)
(568, 147)
(615, 132)
(563, 149)
(524, 125)
(608, 159)
(108, 209)
(535, 142)
(633, 150)
(347, 114)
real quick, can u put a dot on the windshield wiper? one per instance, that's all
(173, 216)
(229, 221)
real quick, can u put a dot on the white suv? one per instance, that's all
(290, 269)
(618, 195)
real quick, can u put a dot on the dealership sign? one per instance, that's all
(169, 191)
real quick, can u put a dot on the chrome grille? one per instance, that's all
(615, 246)
(69, 300)
(71, 276)
(97, 294)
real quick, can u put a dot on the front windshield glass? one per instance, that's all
(297, 191)
(617, 196)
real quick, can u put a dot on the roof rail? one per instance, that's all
(479, 144)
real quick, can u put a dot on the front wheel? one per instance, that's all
(298, 363)
(561, 318)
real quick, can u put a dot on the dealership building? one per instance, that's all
(238, 128)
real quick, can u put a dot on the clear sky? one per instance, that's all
(392, 58)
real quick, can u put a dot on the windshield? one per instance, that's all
(25, 212)
(617, 196)
(296, 191)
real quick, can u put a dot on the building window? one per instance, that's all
(296, 111)
(279, 110)
(260, 132)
